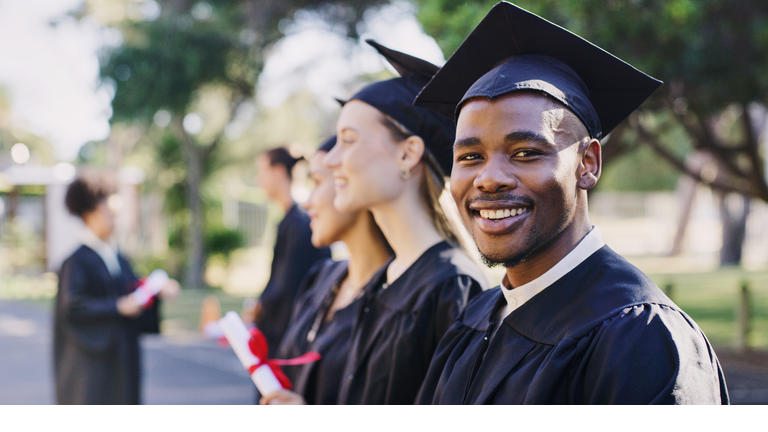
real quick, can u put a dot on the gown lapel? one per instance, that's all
(505, 351)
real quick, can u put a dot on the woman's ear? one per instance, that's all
(412, 151)
(591, 165)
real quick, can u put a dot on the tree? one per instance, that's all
(168, 60)
(712, 56)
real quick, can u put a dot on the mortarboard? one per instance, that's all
(512, 49)
(328, 144)
(394, 97)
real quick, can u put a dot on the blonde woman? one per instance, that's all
(391, 159)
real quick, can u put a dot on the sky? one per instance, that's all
(51, 71)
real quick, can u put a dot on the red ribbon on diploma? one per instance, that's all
(259, 348)
(136, 285)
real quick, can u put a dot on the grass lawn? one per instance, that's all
(183, 314)
(710, 298)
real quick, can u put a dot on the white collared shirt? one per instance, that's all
(516, 297)
(106, 251)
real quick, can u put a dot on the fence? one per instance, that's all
(641, 224)
(249, 218)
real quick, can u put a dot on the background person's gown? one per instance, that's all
(319, 382)
(96, 350)
(602, 334)
(294, 255)
(399, 326)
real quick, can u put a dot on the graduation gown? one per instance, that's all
(95, 349)
(399, 326)
(602, 334)
(318, 382)
(294, 255)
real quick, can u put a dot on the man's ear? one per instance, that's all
(412, 151)
(591, 165)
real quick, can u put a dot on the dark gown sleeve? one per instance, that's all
(451, 300)
(294, 342)
(455, 341)
(648, 341)
(77, 302)
(149, 320)
(415, 343)
(294, 255)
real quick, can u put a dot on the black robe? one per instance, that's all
(95, 349)
(602, 334)
(398, 327)
(293, 257)
(319, 382)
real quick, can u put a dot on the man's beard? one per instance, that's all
(534, 241)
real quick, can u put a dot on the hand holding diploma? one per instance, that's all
(282, 397)
(252, 351)
(150, 287)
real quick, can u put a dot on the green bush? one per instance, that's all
(223, 241)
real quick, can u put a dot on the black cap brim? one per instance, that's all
(394, 97)
(614, 87)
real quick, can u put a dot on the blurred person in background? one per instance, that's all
(390, 159)
(323, 317)
(294, 253)
(97, 321)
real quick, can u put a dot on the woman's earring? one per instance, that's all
(405, 172)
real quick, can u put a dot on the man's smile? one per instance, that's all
(497, 217)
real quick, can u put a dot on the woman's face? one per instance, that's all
(328, 224)
(364, 160)
(101, 220)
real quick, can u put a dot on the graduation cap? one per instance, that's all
(328, 144)
(394, 97)
(512, 49)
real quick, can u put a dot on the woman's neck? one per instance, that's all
(367, 251)
(408, 228)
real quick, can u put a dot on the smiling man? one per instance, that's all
(572, 322)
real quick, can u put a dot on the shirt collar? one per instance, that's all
(106, 251)
(516, 297)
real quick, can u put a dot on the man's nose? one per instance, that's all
(496, 176)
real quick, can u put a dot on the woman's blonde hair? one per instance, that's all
(432, 186)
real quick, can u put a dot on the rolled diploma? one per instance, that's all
(237, 336)
(151, 286)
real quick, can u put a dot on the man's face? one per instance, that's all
(515, 175)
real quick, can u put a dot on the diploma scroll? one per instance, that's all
(150, 287)
(239, 338)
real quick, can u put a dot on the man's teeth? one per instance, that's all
(501, 214)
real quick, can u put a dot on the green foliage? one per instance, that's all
(164, 62)
(223, 241)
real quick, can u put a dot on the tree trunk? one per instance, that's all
(734, 209)
(195, 266)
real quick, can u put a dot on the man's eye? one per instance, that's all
(524, 153)
(469, 157)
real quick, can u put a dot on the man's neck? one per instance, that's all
(541, 260)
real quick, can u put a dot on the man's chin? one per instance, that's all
(502, 260)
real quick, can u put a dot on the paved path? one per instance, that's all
(178, 370)
(187, 369)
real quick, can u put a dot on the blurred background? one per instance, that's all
(175, 98)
